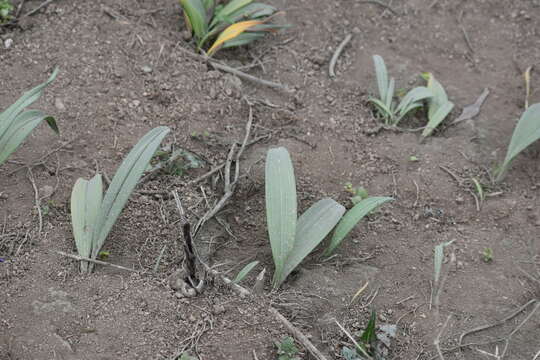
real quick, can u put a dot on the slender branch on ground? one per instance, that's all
(99, 262)
(30, 176)
(43, 4)
(337, 53)
(229, 185)
(234, 71)
(437, 340)
(380, 3)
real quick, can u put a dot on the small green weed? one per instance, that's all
(393, 112)
(287, 349)
(236, 23)
(358, 193)
(366, 344)
(6, 8)
(487, 255)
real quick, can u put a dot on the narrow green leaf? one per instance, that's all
(124, 181)
(390, 94)
(232, 7)
(18, 129)
(438, 106)
(243, 273)
(369, 336)
(382, 77)
(196, 13)
(280, 190)
(351, 218)
(85, 205)
(383, 109)
(51, 121)
(438, 260)
(437, 117)
(526, 132)
(312, 228)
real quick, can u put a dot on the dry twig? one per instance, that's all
(99, 262)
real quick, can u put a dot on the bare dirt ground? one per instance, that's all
(124, 74)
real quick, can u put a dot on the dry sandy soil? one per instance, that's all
(123, 74)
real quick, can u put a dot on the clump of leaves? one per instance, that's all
(287, 349)
(358, 193)
(16, 124)
(92, 215)
(487, 255)
(236, 23)
(527, 131)
(6, 8)
(175, 161)
(391, 111)
(293, 238)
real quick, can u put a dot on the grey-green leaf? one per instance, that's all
(126, 178)
(24, 101)
(312, 228)
(18, 129)
(245, 270)
(435, 118)
(382, 78)
(280, 190)
(438, 260)
(351, 218)
(527, 131)
(415, 95)
(85, 205)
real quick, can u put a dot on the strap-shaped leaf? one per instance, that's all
(280, 194)
(415, 95)
(124, 181)
(351, 218)
(232, 32)
(196, 13)
(526, 132)
(224, 14)
(18, 129)
(435, 118)
(382, 77)
(312, 228)
(383, 109)
(86, 199)
(9, 115)
(438, 106)
(245, 270)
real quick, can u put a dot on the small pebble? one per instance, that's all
(218, 309)
(8, 43)
(146, 69)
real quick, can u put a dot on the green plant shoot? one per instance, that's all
(16, 124)
(92, 215)
(292, 238)
(391, 112)
(236, 23)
